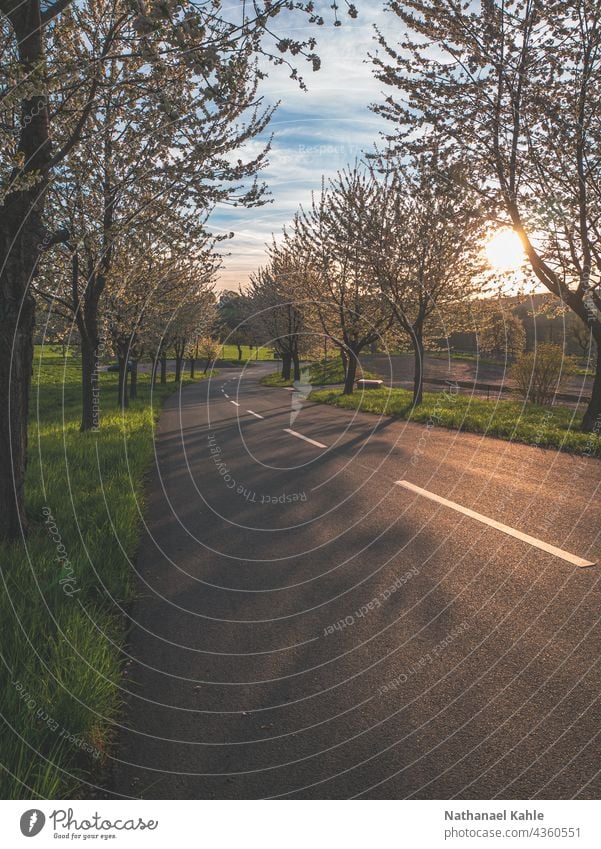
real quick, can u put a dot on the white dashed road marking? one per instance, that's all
(306, 438)
(537, 543)
(255, 414)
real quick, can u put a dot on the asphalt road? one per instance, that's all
(306, 628)
(397, 370)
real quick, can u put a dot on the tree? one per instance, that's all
(280, 309)
(209, 349)
(424, 230)
(139, 301)
(45, 109)
(55, 329)
(202, 334)
(233, 310)
(192, 318)
(501, 334)
(334, 240)
(517, 88)
(27, 159)
(583, 338)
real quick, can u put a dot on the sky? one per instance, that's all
(315, 132)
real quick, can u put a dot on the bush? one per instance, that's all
(540, 374)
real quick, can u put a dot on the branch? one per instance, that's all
(76, 134)
(52, 11)
(59, 237)
(50, 297)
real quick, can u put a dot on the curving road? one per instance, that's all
(305, 627)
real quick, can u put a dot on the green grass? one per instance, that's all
(230, 352)
(325, 373)
(275, 379)
(60, 660)
(546, 427)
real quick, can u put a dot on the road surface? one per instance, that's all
(307, 627)
(479, 378)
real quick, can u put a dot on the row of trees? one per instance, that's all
(388, 256)
(121, 126)
(148, 308)
(385, 251)
(494, 110)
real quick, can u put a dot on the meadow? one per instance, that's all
(230, 352)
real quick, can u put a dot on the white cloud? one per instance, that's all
(315, 132)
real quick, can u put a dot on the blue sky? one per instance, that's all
(315, 132)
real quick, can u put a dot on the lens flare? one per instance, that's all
(505, 251)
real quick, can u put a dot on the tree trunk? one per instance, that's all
(164, 368)
(154, 371)
(133, 380)
(344, 358)
(351, 371)
(90, 415)
(122, 392)
(418, 368)
(178, 368)
(591, 423)
(21, 237)
(192, 362)
(286, 366)
(16, 359)
(297, 370)
(239, 351)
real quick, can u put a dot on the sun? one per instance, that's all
(505, 251)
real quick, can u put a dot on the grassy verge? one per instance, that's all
(555, 427)
(275, 379)
(324, 373)
(62, 599)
